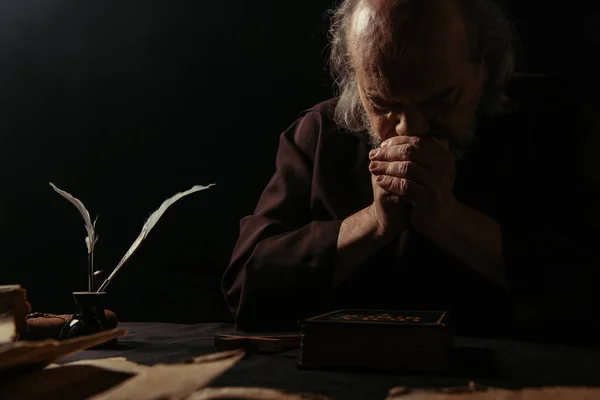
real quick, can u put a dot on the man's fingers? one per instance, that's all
(398, 140)
(403, 169)
(420, 141)
(403, 152)
(423, 151)
(401, 187)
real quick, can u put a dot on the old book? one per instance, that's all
(13, 309)
(377, 339)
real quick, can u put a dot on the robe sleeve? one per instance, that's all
(281, 269)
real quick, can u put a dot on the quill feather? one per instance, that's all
(90, 227)
(148, 225)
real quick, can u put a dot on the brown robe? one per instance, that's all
(282, 266)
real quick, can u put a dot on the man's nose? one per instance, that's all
(411, 122)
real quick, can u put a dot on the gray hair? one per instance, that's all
(492, 37)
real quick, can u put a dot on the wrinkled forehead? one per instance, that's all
(410, 46)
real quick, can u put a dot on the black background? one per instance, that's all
(124, 103)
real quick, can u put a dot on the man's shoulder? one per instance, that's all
(324, 109)
(315, 129)
(314, 123)
(540, 106)
(542, 93)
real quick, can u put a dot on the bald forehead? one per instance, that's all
(393, 9)
(380, 23)
(387, 35)
(377, 17)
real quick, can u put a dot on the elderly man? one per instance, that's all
(416, 188)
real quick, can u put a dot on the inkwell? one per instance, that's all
(90, 316)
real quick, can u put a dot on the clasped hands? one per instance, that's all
(413, 179)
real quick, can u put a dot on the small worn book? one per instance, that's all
(377, 339)
(13, 308)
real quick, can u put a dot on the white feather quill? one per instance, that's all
(90, 227)
(148, 225)
(91, 239)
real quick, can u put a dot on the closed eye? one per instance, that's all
(378, 109)
(445, 102)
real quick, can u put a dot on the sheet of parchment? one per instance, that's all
(38, 354)
(252, 393)
(114, 364)
(176, 381)
(64, 382)
(552, 393)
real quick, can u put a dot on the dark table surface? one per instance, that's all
(488, 362)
